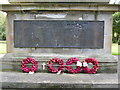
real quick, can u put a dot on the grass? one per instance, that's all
(2, 47)
(115, 50)
(2, 41)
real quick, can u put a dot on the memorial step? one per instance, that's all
(12, 62)
(18, 80)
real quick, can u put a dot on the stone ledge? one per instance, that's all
(12, 62)
(58, 6)
(49, 80)
(24, 1)
(47, 56)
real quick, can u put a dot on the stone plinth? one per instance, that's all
(59, 11)
(12, 62)
(62, 11)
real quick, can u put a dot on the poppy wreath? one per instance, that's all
(93, 69)
(55, 60)
(69, 69)
(29, 60)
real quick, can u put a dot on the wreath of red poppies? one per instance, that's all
(29, 60)
(94, 68)
(69, 62)
(79, 65)
(55, 60)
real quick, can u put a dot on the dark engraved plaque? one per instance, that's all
(58, 33)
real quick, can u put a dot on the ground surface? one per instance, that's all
(52, 80)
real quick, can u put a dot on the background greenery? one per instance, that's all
(2, 47)
(116, 28)
(2, 27)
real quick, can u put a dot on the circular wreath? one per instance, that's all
(94, 68)
(69, 62)
(55, 60)
(29, 60)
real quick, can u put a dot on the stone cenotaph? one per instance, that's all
(44, 29)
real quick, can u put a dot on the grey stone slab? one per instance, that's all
(58, 6)
(104, 79)
(12, 62)
(42, 85)
(58, 33)
(46, 78)
(119, 70)
(22, 1)
(45, 56)
(105, 86)
(16, 66)
(37, 80)
(52, 80)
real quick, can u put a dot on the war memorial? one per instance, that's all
(58, 33)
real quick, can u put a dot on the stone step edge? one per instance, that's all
(44, 60)
(53, 54)
(25, 80)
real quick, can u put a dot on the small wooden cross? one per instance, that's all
(43, 65)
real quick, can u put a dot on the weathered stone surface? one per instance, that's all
(107, 30)
(72, 15)
(59, 6)
(49, 80)
(12, 62)
(100, 78)
(77, 11)
(32, 1)
(71, 11)
(58, 33)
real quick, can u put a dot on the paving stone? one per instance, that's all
(105, 80)
(52, 80)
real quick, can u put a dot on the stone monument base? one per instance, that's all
(16, 80)
(12, 62)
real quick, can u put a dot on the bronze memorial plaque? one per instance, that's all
(58, 33)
